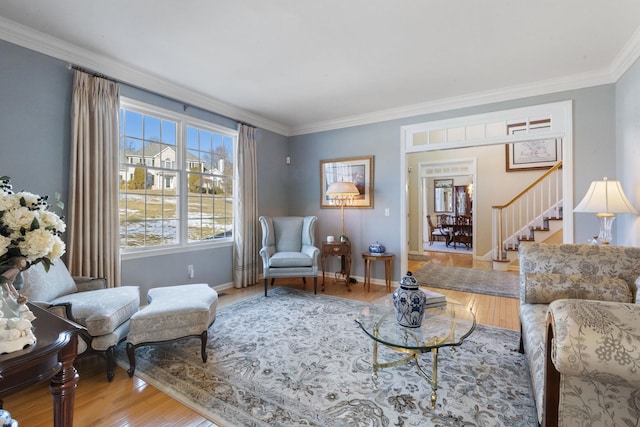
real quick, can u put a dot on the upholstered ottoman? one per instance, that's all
(171, 313)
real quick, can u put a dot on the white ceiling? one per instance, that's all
(296, 66)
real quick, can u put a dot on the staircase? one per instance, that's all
(535, 214)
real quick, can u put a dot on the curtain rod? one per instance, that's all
(92, 73)
(185, 106)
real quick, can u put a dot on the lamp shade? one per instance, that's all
(605, 198)
(342, 189)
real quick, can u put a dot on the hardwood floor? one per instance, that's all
(132, 402)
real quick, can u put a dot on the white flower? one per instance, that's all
(8, 202)
(36, 244)
(58, 248)
(4, 245)
(27, 229)
(15, 219)
(50, 220)
(30, 199)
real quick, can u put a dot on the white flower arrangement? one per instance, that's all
(28, 230)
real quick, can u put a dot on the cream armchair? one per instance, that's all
(104, 312)
(288, 248)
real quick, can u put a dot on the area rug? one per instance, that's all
(489, 282)
(419, 257)
(298, 359)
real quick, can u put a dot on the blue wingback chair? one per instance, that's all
(288, 248)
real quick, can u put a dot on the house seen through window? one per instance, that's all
(176, 179)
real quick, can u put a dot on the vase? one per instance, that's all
(377, 248)
(409, 301)
(16, 331)
(10, 307)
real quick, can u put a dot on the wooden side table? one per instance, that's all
(343, 250)
(51, 357)
(388, 267)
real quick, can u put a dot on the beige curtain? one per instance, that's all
(245, 234)
(93, 237)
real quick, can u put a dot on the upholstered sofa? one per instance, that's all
(104, 312)
(581, 332)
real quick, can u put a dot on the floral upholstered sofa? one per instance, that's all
(581, 332)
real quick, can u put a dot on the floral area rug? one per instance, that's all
(489, 282)
(298, 359)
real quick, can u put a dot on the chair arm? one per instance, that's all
(312, 252)
(85, 283)
(267, 252)
(543, 288)
(596, 339)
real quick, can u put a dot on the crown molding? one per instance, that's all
(628, 55)
(34, 40)
(576, 81)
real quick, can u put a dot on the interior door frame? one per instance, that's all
(561, 114)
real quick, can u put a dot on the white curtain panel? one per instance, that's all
(93, 237)
(245, 234)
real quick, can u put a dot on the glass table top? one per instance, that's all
(444, 326)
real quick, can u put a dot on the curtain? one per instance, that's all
(245, 234)
(93, 240)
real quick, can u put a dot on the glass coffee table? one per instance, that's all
(444, 326)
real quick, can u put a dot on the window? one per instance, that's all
(176, 179)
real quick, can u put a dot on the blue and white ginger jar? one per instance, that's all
(409, 302)
(377, 248)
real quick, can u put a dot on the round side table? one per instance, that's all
(388, 267)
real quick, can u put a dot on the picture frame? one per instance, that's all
(535, 154)
(358, 170)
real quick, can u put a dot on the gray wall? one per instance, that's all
(35, 125)
(628, 151)
(35, 92)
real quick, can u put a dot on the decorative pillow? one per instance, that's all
(544, 288)
(40, 285)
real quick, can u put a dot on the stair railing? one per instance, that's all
(538, 200)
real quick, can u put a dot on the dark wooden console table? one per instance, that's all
(51, 357)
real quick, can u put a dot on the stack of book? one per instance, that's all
(434, 299)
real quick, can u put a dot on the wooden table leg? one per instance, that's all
(367, 274)
(387, 273)
(63, 386)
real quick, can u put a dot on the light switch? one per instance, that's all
(386, 211)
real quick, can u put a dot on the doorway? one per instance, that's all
(484, 130)
(461, 174)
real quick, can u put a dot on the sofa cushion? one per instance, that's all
(103, 310)
(290, 259)
(533, 320)
(598, 340)
(40, 285)
(544, 288)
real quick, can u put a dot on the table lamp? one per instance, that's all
(341, 194)
(606, 199)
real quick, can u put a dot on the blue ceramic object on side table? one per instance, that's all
(377, 248)
(409, 302)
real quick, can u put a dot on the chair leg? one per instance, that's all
(131, 352)
(111, 361)
(266, 282)
(315, 285)
(203, 346)
(304, 280)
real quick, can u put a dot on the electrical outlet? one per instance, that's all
(190, 271)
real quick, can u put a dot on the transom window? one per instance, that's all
(176, 179)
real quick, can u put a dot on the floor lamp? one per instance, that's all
(342, 194)
(606, 199)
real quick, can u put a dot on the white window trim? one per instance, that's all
(127, 253)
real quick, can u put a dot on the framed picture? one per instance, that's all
(534, 154)
(358, 170)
